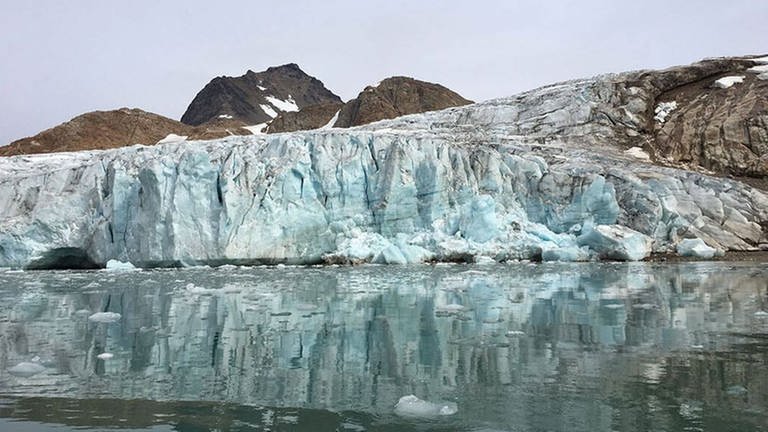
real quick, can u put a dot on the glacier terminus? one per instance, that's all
(557, 173)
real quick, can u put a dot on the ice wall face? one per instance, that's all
(516, 178)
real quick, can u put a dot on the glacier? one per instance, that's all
(543, 175)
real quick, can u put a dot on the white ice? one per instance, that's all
(116, 265)
(268, 110)
(729, 81)
(332, 121)
(412, 406)
(287, 105)
(695, 248)
(172, 138)
(26, 369)
(105, 317)
(638, 153)
(257, 129)
(663, 110)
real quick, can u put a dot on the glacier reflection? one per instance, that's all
(597, 344)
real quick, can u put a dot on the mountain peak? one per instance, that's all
(287, 66)
(396, 96)
(257, 97)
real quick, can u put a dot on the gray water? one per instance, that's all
(523, 347)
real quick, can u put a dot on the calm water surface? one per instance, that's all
(546, 347)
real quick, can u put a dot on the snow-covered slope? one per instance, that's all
(542, 174)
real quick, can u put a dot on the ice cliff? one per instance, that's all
(541, 175)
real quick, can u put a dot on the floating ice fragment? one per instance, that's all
(105, 317)
(116, 265)
(411, 406)
(616, 242)
(26, 369)
(451, 308)
(736, 390)
(484, 260)
(695, 248)
(513, 333)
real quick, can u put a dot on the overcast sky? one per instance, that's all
(64, 58)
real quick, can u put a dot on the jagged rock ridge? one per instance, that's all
(257, 97)
(390, 98)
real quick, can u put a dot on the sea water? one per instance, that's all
(512, 347)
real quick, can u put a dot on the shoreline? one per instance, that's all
(742, 256)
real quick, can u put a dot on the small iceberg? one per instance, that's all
(26, 369)
(695, 248)
(105, 317)
(116, 265)
(412, 406)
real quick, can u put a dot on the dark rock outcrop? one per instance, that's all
(250, 98)
(311, 117)
(395, 97)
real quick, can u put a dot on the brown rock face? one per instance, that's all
(250, 98)
(721, 129)
(311, 117)
(704, 126)
(395, 97)
(99, 130)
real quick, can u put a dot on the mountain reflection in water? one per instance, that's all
(518, 347)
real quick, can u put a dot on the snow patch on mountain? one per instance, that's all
(268, 110)
(729, 81)
(663, 110)
(288, 105)
(173, 138)
(257, 129)
(332, 121)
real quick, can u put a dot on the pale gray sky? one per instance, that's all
(64, 58)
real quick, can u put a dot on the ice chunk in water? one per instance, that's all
(412, 406)
(115, 265)
(26, 369)
(105, 317)
(695, 248)
(615, 242)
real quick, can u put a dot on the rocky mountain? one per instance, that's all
(569, 172)
(394, 97)
(99, 130)
(717, 120)
(257, 97)
(388, 99)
